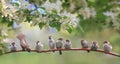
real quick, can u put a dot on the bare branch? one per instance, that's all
(72, 49)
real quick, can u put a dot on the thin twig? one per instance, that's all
(72, 49)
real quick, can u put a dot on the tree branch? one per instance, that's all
(72, 49)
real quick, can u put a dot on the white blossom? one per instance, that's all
(88, 12)
(111, 14)
(4, 31)
(70, 18)
(50, 6)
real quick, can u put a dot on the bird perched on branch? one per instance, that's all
(84, 44)
(13, 47)
(67, 44)
(59, 45)
(51, 42)
(23, 43)
(94, 46)
(107, 46)
(38, 46)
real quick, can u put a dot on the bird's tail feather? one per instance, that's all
(88, 51)
(60, 52)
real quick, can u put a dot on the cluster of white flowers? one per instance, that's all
(111, 14)
(115, 2)
(71, 18)
(50, 6)
(88, 12)
(112, 17)
(7, 9)
(11, 6)
(3, 31)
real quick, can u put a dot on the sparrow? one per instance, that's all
(84, 44)
(67, 44)
(51, 43)
(23, 43)
(13, 47)
(107, 46)
(94, 46)
(59, 45)
(38, 46)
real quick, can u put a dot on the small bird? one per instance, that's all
(84, 44)
(94, 46)
(107, 46)
(67, 44)
(23, 43)
(51, 42)
(59, 45)
(13, 47)
(38, 46)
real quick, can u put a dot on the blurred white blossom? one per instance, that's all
(111, 14)
(3, 31)
(71, 18)
(8, 9)
(7, 40)
(50, 6)
(88, 12)
(41, 11)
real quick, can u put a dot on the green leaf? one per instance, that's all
(54, 11)
(64, 17)
(58, 26)
(28, 18)
(91, 3)
(69, 28)
(55, 24)
(100, 17)
(118, 16)
(66, 5)
(52, 1)
(107, 7)
(95, 3)
(16, 4)
(10, 23)
(43, 8)
(31, 1)
(27, 12)
(111, 24)
(92, 0)
(52, 23)
(4, 19)
(101, 3)
(41, 24)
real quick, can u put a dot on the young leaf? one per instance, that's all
(28, 18)
(10, 23)
(54, 11)
(64, 17)
(66, 5)
(52, 23)
(58, 26)
(69, 28)
(41, 24)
